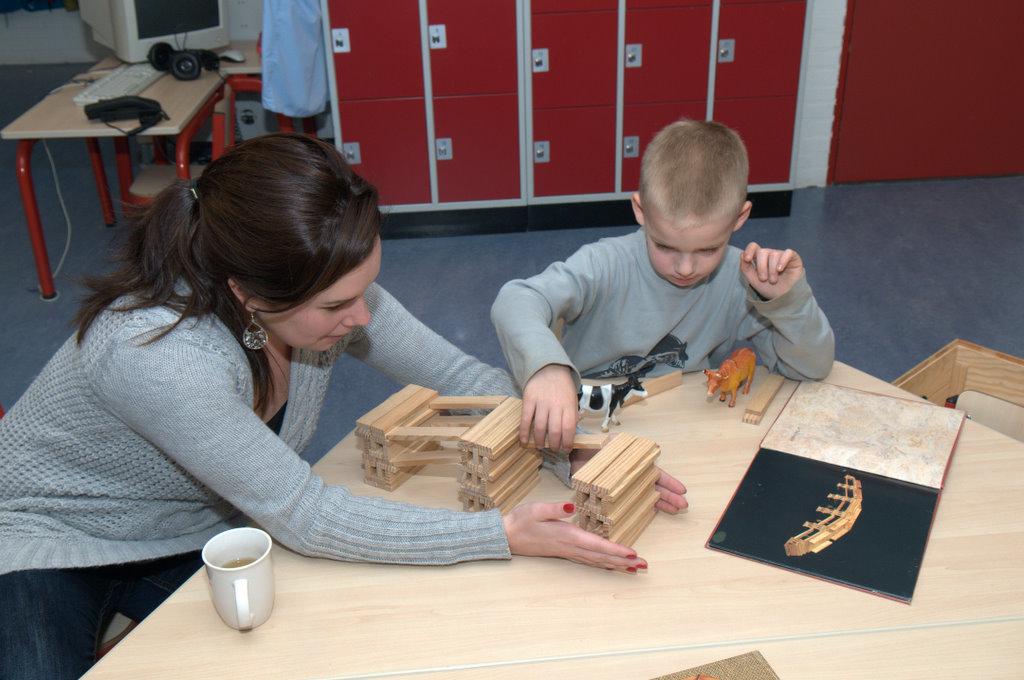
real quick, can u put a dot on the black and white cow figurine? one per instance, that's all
(607, 398)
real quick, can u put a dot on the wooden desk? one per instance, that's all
(535, 617)
(187, 104)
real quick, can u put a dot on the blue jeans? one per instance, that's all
(52, 620)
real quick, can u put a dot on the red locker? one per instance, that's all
(674, 56)
(637, 4)
(392, 138)
(484, 133)
(766, 126)
(480, 57)
(946, 103)
(769, 41)
(581, 151)
(644, 121)
(386, 58)
(548, 6)
(582, 56)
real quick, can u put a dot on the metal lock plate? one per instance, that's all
(634, 55)
(726, 51)
(631, 147)
(443, 148)
(351, 152)
(340, 41)
(438, 39)
(540, 60)
(541, 152)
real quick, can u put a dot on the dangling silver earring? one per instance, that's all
(254, 337)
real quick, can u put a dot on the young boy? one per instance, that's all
(672, 295)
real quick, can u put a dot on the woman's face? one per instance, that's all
(320, 322)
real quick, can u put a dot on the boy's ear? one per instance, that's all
(638, 209)
(743, 216)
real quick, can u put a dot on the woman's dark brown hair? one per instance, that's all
(282, 215)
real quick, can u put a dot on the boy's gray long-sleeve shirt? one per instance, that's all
(621, 317)
(121, 451)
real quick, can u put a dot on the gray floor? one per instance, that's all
(900, 268)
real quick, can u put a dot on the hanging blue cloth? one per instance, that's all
(294, 66)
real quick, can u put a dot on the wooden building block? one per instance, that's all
(653, 386)
(767, 387)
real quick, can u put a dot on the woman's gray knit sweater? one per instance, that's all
(121, 451)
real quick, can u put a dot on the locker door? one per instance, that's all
(548, 6)
(581, 59)
(769, 40)
(637, 4)
(480, 56)
(392, 138)
(673, 62)
(581, 151)
(484, 147)
(766, 127)
(385, 58)
(644, 121)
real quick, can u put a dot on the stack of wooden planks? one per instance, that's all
(413, 428)
(615, 490)
(497, 471)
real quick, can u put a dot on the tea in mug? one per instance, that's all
(238, 562)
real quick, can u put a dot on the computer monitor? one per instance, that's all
(131, 27)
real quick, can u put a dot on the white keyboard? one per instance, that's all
(123, 81)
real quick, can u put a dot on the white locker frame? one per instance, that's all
(524, 77)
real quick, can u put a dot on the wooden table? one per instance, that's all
(534, 617)
(188, 105)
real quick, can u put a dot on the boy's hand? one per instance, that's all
(771, 272)
(550, 408)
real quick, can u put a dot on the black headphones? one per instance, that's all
(183, 64)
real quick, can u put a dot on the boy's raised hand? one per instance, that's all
(771, 272)
(550, 408)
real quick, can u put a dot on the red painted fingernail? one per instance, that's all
(568, 507)
(631, 570)
(631, 556)
(641, 566)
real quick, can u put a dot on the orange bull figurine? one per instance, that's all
(735, 370)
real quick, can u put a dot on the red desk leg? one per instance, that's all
(23, 166)
(124, 168)
(285, 123)
(101, 180)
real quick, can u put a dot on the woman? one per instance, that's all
(198, 371)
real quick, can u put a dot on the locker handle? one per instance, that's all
(726, 51)
(634, 55)
(540, 60)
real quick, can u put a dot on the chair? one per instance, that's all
(1001, 415)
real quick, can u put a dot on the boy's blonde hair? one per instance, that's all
(694, 167)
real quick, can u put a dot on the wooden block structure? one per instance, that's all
(838, 520)
(412, 428)
(615, 492)
(497, 471)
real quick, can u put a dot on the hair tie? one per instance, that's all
(192, 188)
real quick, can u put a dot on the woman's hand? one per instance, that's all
(540, 530)
(673, 492)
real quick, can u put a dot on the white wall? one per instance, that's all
(60, 37)
(820, 76)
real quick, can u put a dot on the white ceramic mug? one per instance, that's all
(241, 576)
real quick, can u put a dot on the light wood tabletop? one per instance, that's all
(58, 117)
(534, 617)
